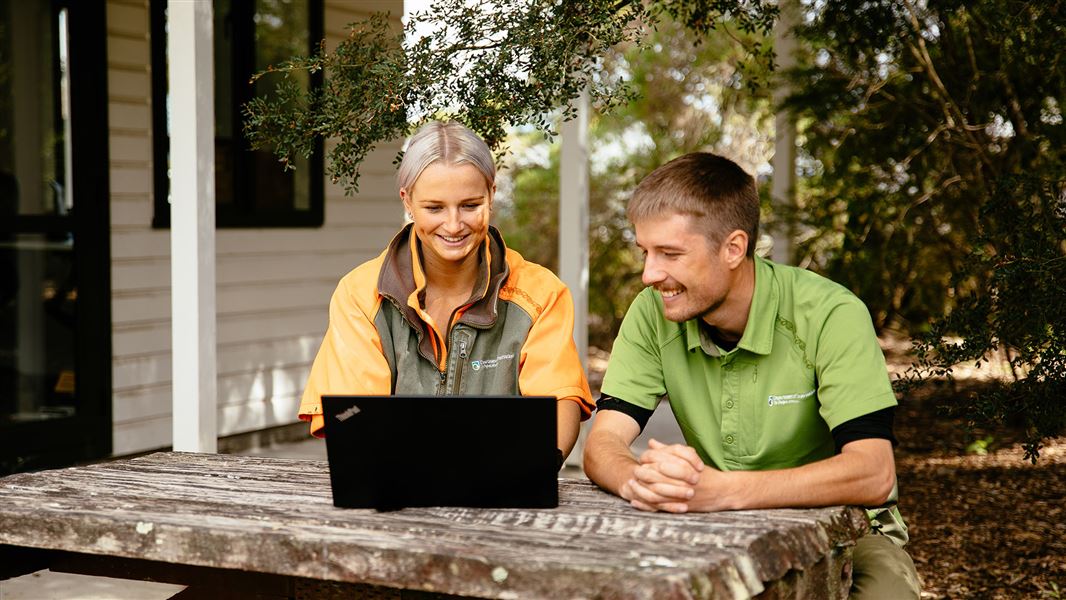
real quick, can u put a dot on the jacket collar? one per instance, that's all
(402, 278)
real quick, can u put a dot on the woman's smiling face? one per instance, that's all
(450, 206)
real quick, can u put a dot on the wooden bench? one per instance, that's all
(238, 526)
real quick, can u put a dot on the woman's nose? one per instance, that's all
(454, 218)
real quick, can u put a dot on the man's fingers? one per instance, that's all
(656, 497)
(681, 451)
(648, 499)
(652, 475)
(648, 494)
(670, 465)
(679, 471)
(686, 453)
(672, 507)
(673, 492)
(642, 506)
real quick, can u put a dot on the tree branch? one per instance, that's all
(950, 107)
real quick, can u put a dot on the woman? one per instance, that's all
(447, 308)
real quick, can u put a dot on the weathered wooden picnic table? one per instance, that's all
(238, 526)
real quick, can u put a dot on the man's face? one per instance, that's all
(679, 262)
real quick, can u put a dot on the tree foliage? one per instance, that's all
(1020, 312)
(937, 149)
(489, 65)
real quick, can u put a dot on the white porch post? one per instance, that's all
(192, 225)
(782, 191)
(574, 219)
(574, 234)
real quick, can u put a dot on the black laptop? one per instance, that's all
(391, 452)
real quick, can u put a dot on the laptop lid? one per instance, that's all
(390, 452)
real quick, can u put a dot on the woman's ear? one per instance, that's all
(405, 196)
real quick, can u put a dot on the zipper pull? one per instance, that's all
(462, 349)
(442, 377)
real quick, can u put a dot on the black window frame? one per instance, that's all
(241, 213)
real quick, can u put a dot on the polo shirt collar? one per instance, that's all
(758, 335)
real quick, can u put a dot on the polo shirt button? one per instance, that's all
(728, 367)
(729, 404)
(729, 439)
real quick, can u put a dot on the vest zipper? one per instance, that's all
(459, 364)
(442, 390)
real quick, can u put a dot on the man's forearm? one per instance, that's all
(862, 475)
(608, 461)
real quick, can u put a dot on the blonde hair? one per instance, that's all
(449, 142)
(713, 189)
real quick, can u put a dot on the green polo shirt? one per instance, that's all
(807, 362)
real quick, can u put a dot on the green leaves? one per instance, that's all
(942, 175)
(488, 65)
(361, 103)
(1021, 310)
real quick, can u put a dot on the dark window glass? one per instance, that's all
(37, 283)
(251, 187)
(55, 309)
(34, 110)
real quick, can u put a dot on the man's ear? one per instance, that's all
(734, 248)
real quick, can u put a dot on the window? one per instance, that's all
(251, 187)
(55, 253)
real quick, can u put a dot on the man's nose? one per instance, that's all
(652, 274)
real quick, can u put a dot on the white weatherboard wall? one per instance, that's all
(273, 285)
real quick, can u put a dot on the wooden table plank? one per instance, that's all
(276, 516)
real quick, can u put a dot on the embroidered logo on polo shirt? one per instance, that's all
(788, 398)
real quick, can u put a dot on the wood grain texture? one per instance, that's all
(276, 516)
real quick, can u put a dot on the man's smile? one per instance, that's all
(670, 293)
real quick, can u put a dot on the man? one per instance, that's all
(774, 374)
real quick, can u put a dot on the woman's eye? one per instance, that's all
(433, 209)
(471, 206)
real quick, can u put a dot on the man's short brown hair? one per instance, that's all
(713, 189)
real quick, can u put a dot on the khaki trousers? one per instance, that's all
(881, 569)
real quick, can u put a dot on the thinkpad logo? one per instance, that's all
(351, 412)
